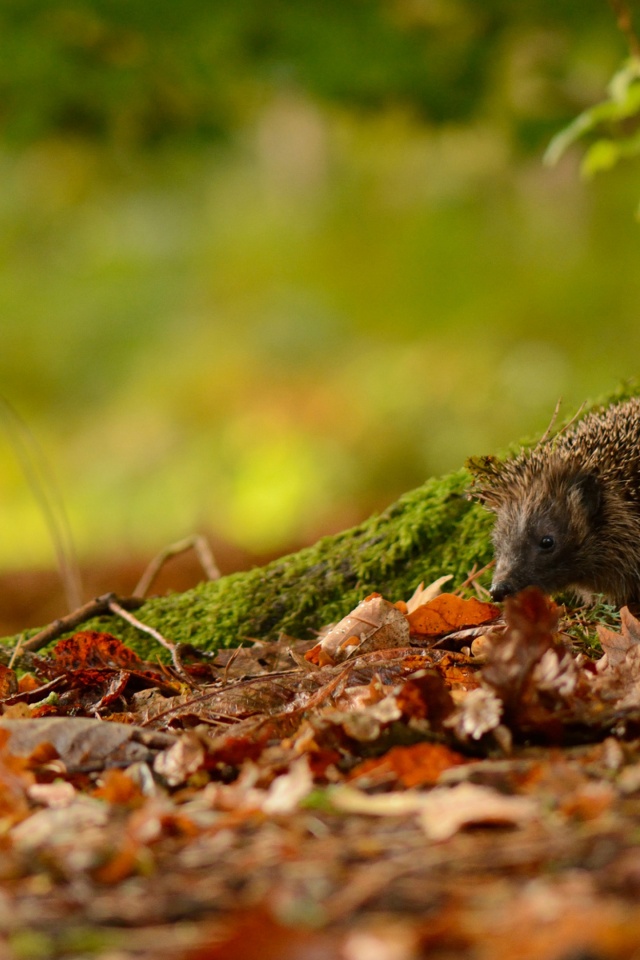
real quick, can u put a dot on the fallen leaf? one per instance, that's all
(82, 742)
(396, 804)
(414, 766)
(15, 781)
(448, 612)
(447, 810)
(443, 811)
(616, 646)
(181, 759)
(479, 713)
(120, 865)
(89, 648)
(532, 622)
(422, 594)
(257, 936)
(74, 833)
(373, 625)
(57, 794)
(8, 682)
(287, 790)
(117, 787)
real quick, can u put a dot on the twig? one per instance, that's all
(197, 543)
(17, 650)
(33, 696)
(474, 575)
(120, 611)
(624, 19)
(230, 661)
(94, 608)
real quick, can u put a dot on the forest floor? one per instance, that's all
(438, 778)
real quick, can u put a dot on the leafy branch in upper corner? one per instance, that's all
(612, 127)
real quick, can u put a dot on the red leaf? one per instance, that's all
(88, 648)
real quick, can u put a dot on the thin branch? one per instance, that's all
(473, 576)
(198, 543)
(94, 608)
(120, 611)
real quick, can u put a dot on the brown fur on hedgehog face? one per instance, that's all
(546, 538)
(568, 510)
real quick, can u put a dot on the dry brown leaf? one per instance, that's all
(373, 625)
(617, 645)
(479, 713)
(443, 811)
(183, 758)
(8, 682)
(83, 741)
(447, 810)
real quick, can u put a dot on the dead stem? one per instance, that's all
(473, 576)
(120, 611)
(202, 550)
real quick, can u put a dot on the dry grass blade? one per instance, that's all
(39, 476)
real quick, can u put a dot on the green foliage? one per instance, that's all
(612, 127)
(139, 72)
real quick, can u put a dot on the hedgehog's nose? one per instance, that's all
(501, 590)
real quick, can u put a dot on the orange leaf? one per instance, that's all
(448, 612)
(412, 766)
(28, 682)
(121, 865)
(8, 682)
(118, 788)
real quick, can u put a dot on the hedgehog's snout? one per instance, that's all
(501, 589)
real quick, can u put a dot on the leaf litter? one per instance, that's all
(428, 779)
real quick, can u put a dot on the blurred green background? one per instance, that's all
(267, 265)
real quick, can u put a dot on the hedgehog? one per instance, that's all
(568, 510)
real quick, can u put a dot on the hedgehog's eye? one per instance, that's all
(547, 543)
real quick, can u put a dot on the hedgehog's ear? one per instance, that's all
(585, 490)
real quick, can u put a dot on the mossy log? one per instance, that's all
(429, 532)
